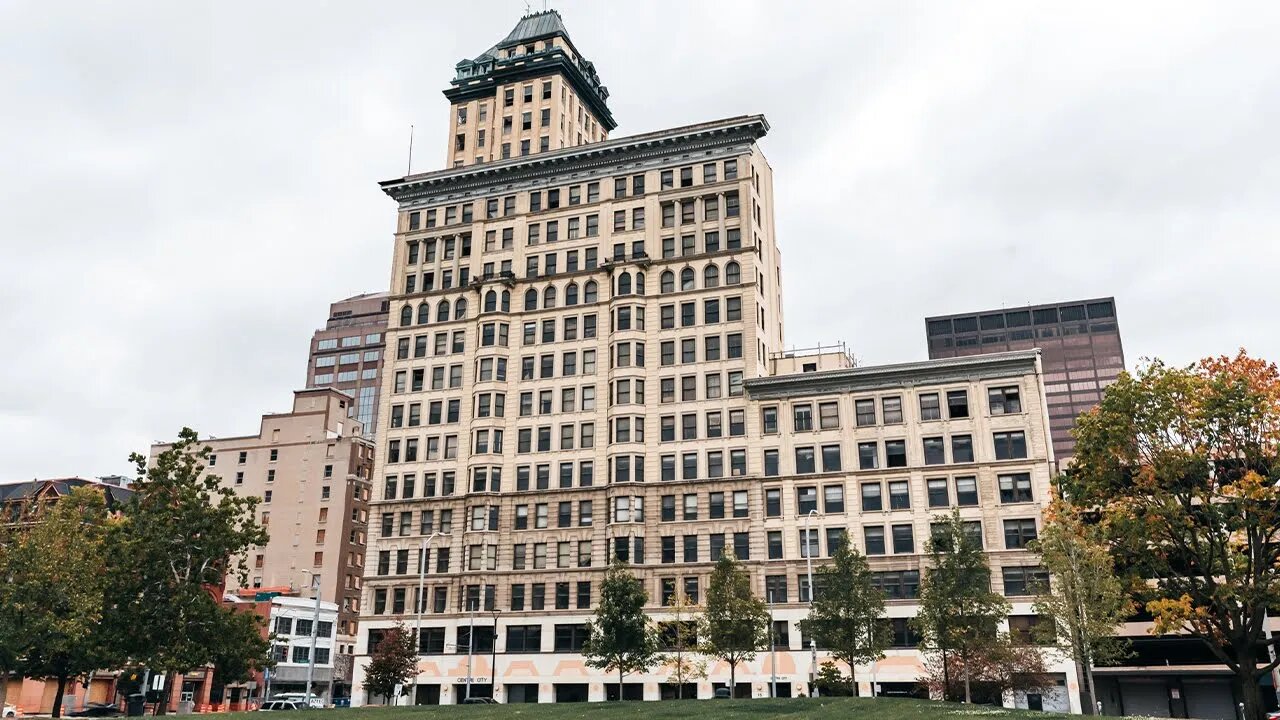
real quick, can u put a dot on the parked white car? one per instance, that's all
(10, 711)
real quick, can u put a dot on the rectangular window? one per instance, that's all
(865, 412)
(1015, 488)
(1017, 533)
(873, 539)
(939, 496)
(961, 448)
(1010, 445)
(1004, 400)
(929, 409)
(868, 456)
(966, 491)
(903, 540)
(899, 495)
(957, 404)
(891, 410)
(871, 497)
(934, 451)
(895, 453)
(833, 498)
(804, 460)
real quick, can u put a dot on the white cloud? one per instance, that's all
(187, 186)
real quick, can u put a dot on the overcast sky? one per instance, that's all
(185, 186)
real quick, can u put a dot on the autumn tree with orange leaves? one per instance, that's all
(1183, 465)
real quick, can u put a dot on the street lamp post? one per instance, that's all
(493, 657)
(315, 634)
(773, 653)
(813, 646)
(422, 600)
(471, 645)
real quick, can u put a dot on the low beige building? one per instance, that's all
(310, 468)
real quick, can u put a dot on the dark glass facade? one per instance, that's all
(1079, 343)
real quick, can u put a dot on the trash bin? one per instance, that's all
(135, 705)
(186, 707)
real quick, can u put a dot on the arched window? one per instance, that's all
(424, 313)
(549, 297)
(589, 292)
(667, 282)
(639, 283)
(506, 301)
(442, 311)
(571, 294)
(490, 301)
(530, 299)
(686, 279)
(460, 309)
(711, 276)
(732, 273)
(624, 283)
(406, 316)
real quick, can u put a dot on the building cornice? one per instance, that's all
(502, 175)
(913, 374)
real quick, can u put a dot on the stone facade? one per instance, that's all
(585, 362)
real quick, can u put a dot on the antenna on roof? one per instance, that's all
(410, 170)
(526, 7)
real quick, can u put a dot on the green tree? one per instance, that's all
(832, 682)
(959, 614)
(59, 582)
(242, 648)
(13, 634)
(736, 622)
(1184, 466)
(681, 634)
(394, 661)
(620, 636)
(845, 617)
(182, 535)
(1086, 602)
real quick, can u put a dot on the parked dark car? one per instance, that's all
(479, 701)
(98, 710)
(722, 694)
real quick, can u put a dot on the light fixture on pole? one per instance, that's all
(813, 646)
(471, 643)
(773, 652)
(493, 657)
(422, 600)
(315, 634)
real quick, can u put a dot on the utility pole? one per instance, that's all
(471, 645)
(773, 653)
(422, 600)
(315, 634)
(493, 657)
(813, 646)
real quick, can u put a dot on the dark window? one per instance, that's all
(934, 451)
(939, 495)
(1025, 580)
(1015, 488)
(1017, 533)
(1010, 445)
(895, 452)
(957, 404)
(961, 449)
(1004, 400)
(966, 491)
(873, 539)
(871, 497)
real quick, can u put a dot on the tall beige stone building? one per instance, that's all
(585, 362)
(310, 467)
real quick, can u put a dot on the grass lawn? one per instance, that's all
(806, 708)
